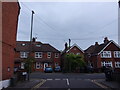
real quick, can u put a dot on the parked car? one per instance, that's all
(57, 69)
(48, 69)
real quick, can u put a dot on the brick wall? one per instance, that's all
(10, 12)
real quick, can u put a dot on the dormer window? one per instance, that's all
(106, 54)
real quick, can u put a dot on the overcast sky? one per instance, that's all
(55, 22)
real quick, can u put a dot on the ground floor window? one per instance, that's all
(106, 63)
(22, 65)
(117, 64)
(38, 65)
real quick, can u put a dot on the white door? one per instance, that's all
(45, 65)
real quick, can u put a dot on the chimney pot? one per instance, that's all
(34, 39)
(66, 46)
(106, 40)
(96, 44)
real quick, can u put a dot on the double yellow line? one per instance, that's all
(39, 84)
(100, 85)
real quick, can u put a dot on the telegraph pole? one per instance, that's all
(31, 26)
(30, 47)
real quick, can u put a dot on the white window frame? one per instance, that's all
(117, 54)
(106, 63)
(38, 65)
(22, 65)
(23, 54)
(77, 53)
(106, 54)
(48, 54)
(117, 64)
(38, 54)
(56, 55)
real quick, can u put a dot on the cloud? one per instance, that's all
(55, 23)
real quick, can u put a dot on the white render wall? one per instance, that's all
(4, 83)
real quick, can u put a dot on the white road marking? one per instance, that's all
(99, 84)
(64, 79)
(68, 82)
(68, 88)
(57, 79)
(49, 79)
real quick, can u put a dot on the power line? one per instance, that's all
(42, 20)
(89, 38)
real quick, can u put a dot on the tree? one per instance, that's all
(72, 62)
(28, 65)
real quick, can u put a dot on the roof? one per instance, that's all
(75, 45)
(35, 46)
(97, 49)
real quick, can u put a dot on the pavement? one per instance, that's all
(108, 84)
(26, 84)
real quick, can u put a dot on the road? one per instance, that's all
(68, 80)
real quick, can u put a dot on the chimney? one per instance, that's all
(106, 40)
(96, 44)
(66, 46)
(69, 42)
(34, 39)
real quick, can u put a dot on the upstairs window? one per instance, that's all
(117, 54)
(117, 64)
(106, 54)
(56, 55)
(23, 54)
(49, 55)
(38, 54)
(77, 53)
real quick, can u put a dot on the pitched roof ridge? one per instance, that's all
(76, 46)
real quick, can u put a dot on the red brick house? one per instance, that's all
(44, 54)
(75, 49)
(105, 54)
(10, 13)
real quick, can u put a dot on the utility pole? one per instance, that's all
(30, 47)
(31, 26)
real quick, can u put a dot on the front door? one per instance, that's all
(45, 65)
